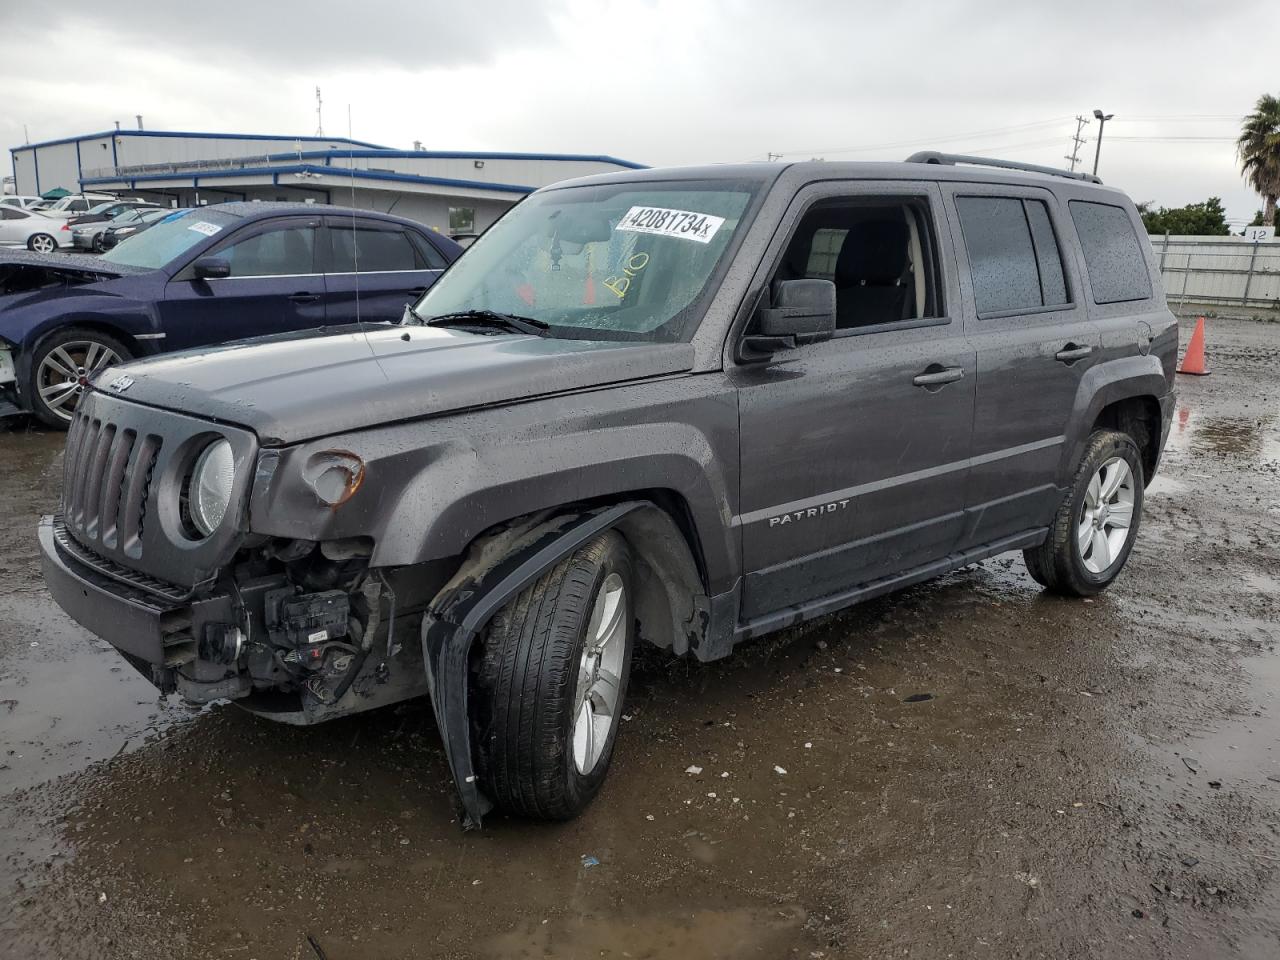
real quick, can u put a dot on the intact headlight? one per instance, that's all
(209, 491)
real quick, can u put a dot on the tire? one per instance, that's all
(42, 243)
(61, 367)
(97, 243)
(1088, 543)
(532, 750)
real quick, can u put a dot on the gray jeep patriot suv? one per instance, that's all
(685, 406)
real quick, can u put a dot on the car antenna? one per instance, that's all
(355, 245)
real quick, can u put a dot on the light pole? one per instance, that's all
(1102, 122)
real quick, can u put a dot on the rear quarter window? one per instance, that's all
(1112, 252)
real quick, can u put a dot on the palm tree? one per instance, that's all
(1259, 151)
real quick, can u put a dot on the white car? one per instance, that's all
(33, 230)
(21, 202)
(76, 204)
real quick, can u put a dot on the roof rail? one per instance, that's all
(951, 159)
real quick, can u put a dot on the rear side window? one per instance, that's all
(372, 249)
(1014, 256)
(1117, 268)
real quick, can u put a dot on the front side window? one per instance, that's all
(619, 261)
(279, 252)
(879, 253)
(1014, 257)
(1112, 255)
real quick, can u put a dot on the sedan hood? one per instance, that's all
(297, 387)
(27, 277)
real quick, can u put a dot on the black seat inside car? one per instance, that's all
(873, 276)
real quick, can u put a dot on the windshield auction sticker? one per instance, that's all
(208, 229)
(699, 227)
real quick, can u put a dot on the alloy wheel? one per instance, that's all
(1106, 516)
(600, 674)
(66, 370)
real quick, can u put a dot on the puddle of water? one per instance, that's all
(708, 934)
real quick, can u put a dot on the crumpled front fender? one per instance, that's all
(495, 571)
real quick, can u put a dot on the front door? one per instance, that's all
(854, 451)
(274, 287)
(1034, 343)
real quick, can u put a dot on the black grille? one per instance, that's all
(113, 570)
(106, 482)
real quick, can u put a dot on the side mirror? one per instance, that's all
(803, 311)
(212, 268)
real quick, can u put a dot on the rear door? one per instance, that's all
(375, 267)
(274, 287)
(1026, 319)
(854, 451)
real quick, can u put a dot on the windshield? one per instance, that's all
(622, 261)
(170, 238)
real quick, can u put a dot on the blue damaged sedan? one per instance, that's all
(201, 277)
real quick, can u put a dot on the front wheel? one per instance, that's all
(1094, 528)
(61, 369)
(551, 683)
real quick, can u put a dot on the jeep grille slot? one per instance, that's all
(106, 482)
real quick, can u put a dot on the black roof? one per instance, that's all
(812, 170)
(252, 210)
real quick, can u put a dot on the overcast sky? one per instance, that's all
(669, 82)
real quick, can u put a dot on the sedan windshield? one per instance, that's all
(620, 261)
(170, 238)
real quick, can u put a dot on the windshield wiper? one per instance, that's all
(491, 318)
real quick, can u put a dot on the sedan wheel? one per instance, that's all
(64, 373)
(42, 243)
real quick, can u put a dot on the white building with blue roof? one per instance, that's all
(451, 191)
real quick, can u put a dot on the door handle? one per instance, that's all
(935, 376)
(1072, 352)
(304, 297)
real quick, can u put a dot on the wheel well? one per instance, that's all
(86, 323)
(1139, 417)
(672, 603)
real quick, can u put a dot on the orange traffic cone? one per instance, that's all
(1193, 359)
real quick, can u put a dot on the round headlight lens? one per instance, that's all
(210, 489)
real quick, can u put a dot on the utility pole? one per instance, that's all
(319, 121)
(1102, 122)
(772, 157)
(1076, 142)
(139, 116)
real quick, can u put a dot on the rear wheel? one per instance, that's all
(42, 243)
(61, 369)
(551, 683)
(1095, 527)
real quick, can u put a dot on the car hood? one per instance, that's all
(296, 387)
(28, 278)
(76, 264)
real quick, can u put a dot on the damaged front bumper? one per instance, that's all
(227, 643)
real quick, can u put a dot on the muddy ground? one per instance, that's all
(1087, 779)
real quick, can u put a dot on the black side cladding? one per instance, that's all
(461, 611)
